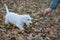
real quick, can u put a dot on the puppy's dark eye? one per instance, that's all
(28, 19)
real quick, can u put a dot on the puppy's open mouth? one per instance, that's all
(27, 25)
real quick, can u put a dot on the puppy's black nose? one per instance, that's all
(30, 23)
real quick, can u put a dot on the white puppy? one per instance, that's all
(16, 19)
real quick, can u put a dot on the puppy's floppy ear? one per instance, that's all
(24, 17)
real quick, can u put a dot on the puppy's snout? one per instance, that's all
(30, 23)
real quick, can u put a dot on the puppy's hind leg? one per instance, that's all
(6, 22)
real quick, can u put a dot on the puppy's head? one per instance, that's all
(27, 19)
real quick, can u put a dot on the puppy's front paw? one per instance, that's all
(22, 29)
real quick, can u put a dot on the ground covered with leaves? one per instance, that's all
(43, 27)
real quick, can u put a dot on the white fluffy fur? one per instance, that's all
(17, 19)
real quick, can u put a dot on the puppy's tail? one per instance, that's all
(6, 7)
